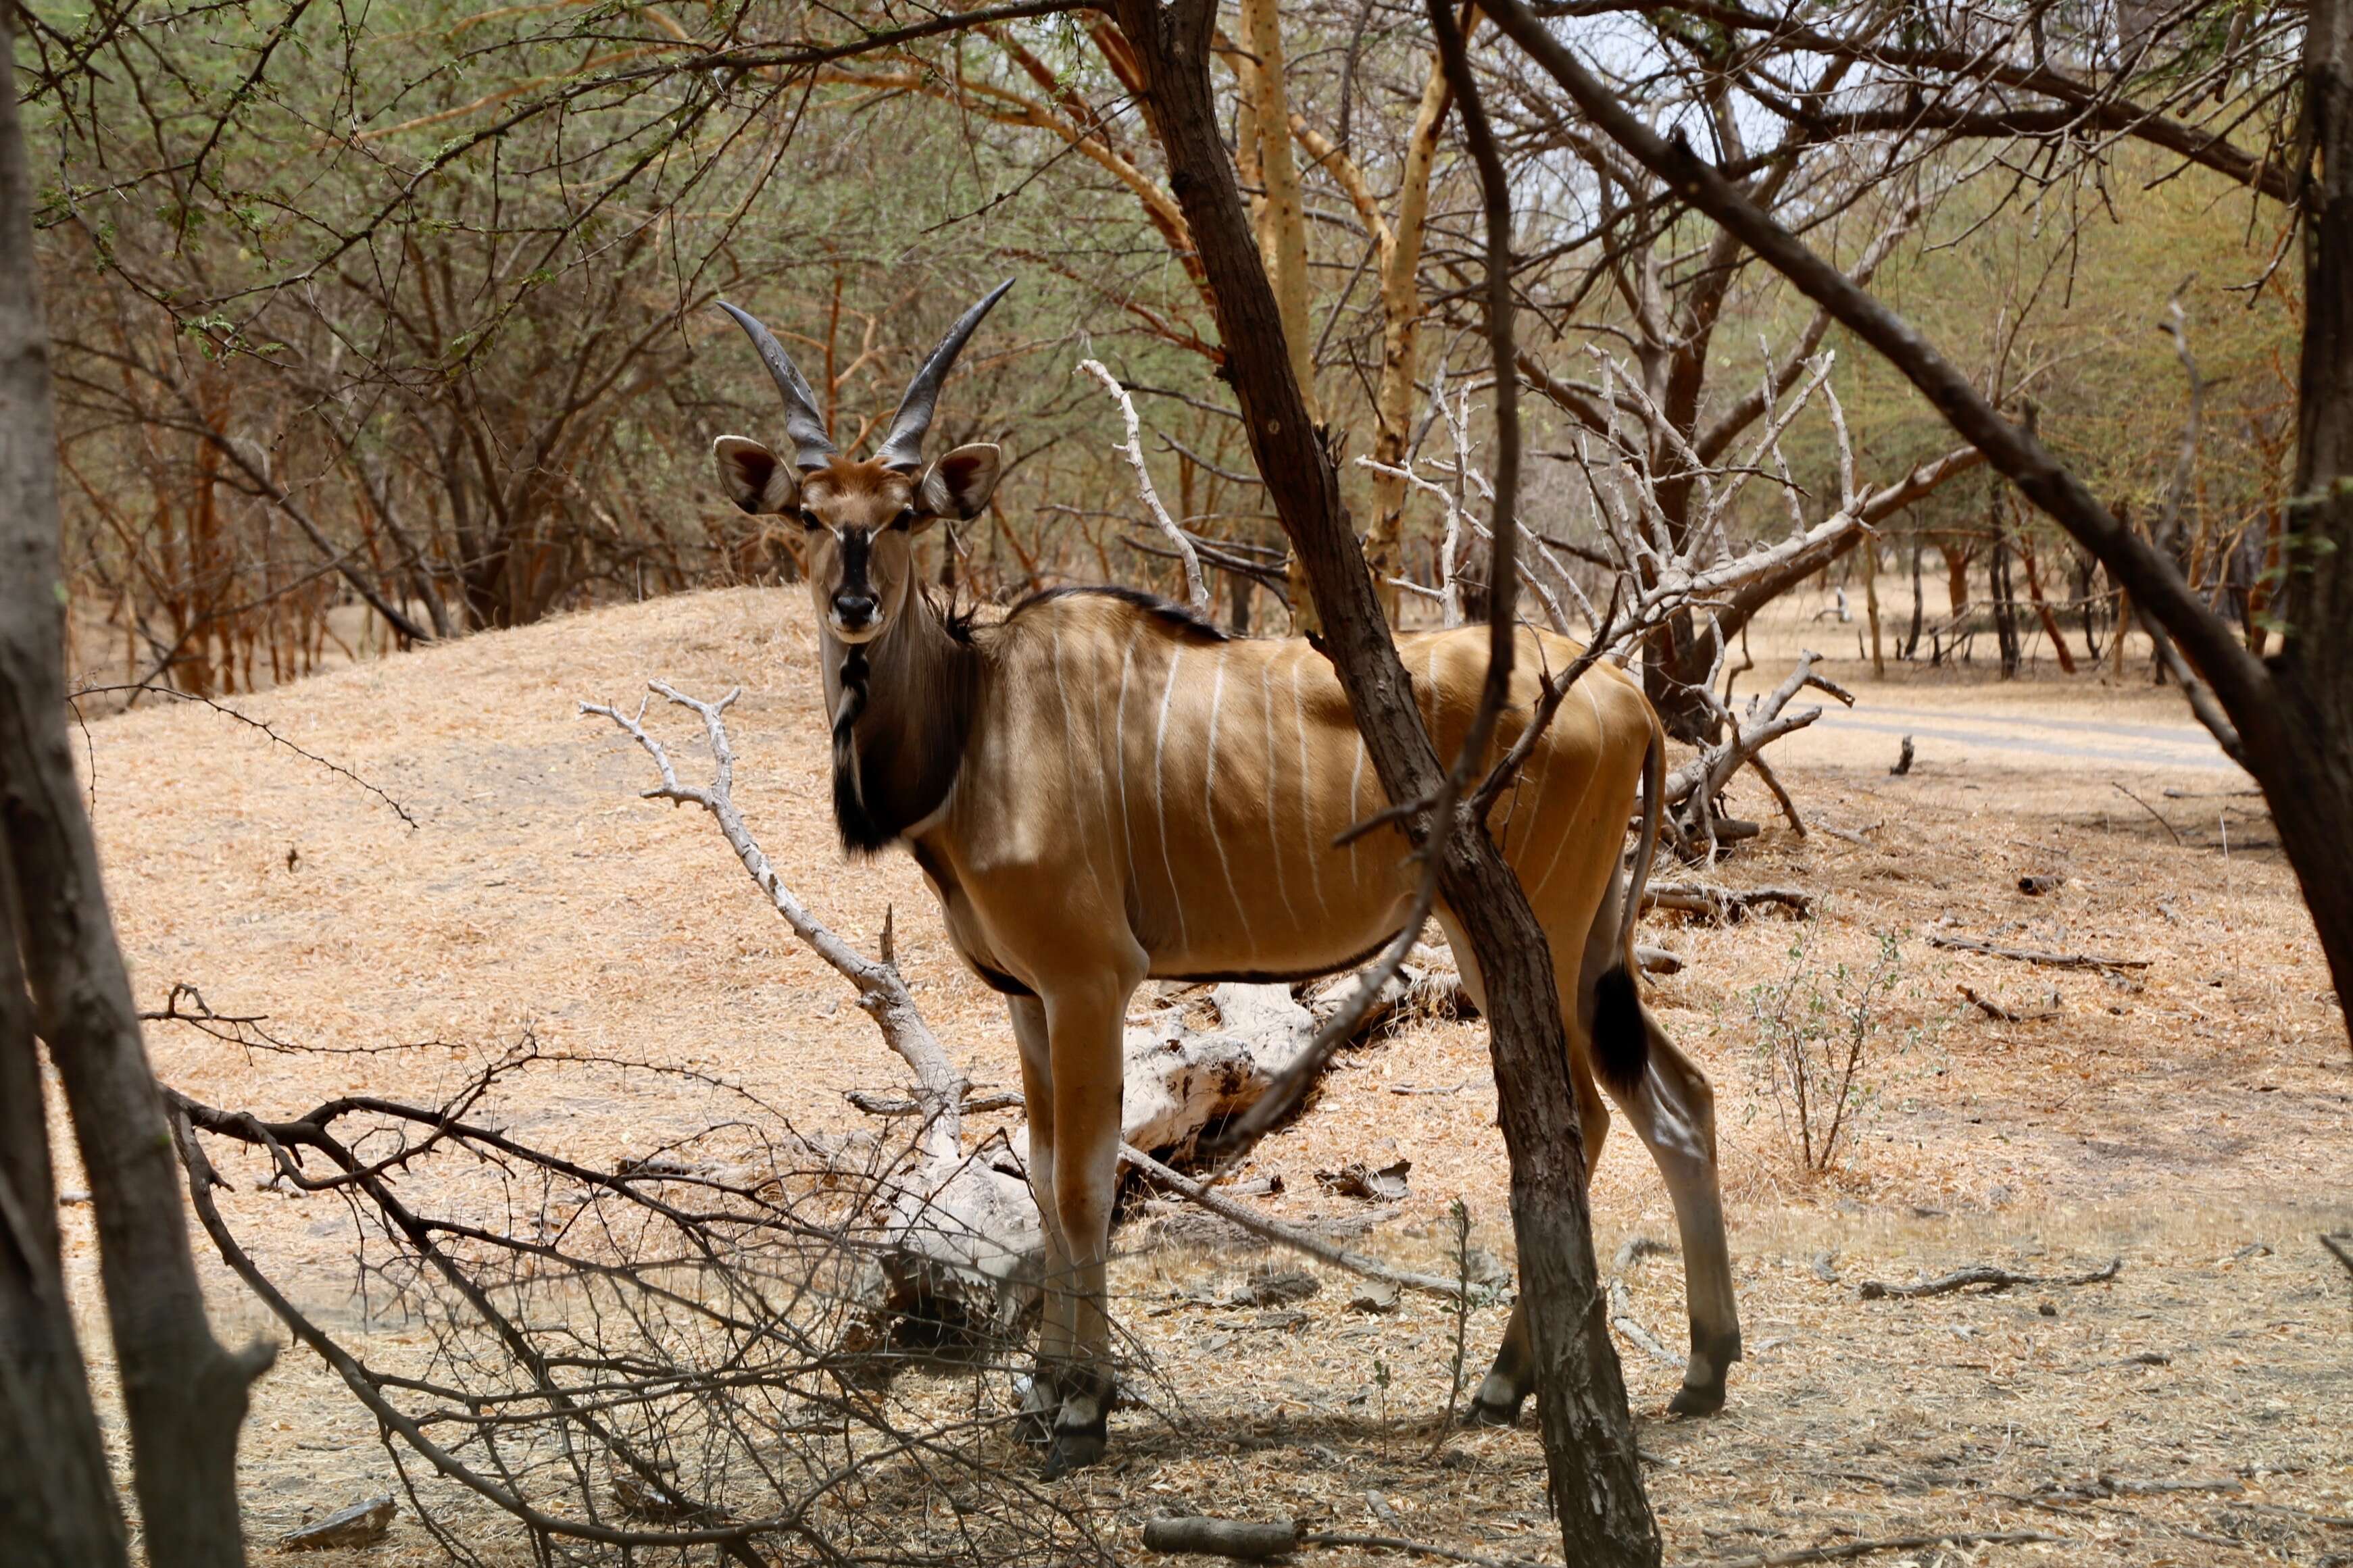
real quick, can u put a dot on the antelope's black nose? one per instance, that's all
(853, 610)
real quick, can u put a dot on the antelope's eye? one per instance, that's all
(810, 518)
(905, 517)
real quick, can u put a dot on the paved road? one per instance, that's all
(2185, 745)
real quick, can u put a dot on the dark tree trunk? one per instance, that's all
(58, 1508)
(1677, 663)
(2083, 585)
(1588, 1433)
(1912, 643)
(185, 1395)
(1998, 588)
(2305, 761)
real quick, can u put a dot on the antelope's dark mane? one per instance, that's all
(1184, 618)
(886, 780)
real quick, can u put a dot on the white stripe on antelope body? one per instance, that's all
(1103, 788)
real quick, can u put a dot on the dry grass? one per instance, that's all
(2178, 1118)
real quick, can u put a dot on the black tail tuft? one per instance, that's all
(1621, 1038)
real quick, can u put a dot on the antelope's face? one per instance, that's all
(859, 520)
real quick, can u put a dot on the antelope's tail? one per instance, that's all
(1621, 1037)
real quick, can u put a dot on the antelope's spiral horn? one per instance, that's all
(813, 449)
(902, 449)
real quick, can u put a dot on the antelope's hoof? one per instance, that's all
(1697, 1399)
(1075, 1449)
(1035, 1425)
(1480, 1413)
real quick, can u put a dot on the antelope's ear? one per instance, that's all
(958, 483)
(753, 477)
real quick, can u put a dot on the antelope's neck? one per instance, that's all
(897, 759)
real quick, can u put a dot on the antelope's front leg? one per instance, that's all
(1083, 1025)
(1058, 1319)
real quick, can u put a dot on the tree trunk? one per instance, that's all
(2004, 601)
(1393, 401)
(57, 1507)
(1912, 643)
(1587, 1434)
(185, 1395)
(2043, 605)
(1870, 606)
(2305, 763)
(1957, 576)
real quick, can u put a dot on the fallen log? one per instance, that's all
(1724, 906)
(1248, 1539)
(362, 1524)
(1994, 1279)
(2036, 956)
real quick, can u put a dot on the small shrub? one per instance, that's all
(1819, 1034)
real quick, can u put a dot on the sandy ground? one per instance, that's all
(2189, 1118)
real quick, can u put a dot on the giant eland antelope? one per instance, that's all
(1103, 788)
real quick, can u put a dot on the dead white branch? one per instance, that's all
(1196, 588)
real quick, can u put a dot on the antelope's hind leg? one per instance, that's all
(1511, 1376)
(1672, 1110)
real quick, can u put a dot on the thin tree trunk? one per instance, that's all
(1912, 643)
(1393, 398)
(1588, 1437)
(1956, 578)
(2005, 605)
(1282, 218)
(185, 1395)
(2043, 605)
(1870, 606)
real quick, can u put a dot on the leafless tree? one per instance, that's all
(2285, 718)
(63, 988)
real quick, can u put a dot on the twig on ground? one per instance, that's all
(1724, 905)
(2148, 808)
(888, 1105)
(1416, 1548)
(882, 994)
(1853, 1548)
(2336, 1247)
(1995, 1279)
(1622, 1319)
(2001, 1014)
(2036, 956)
(1282, 1235)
